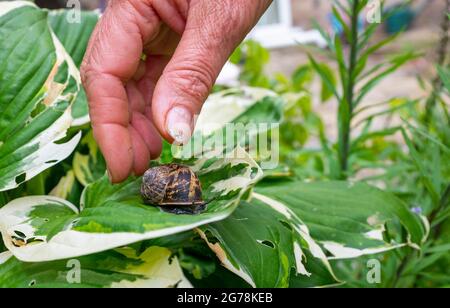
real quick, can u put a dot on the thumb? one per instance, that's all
(210, 36)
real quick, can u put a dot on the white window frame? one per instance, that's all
(284, 34)
(273, 36)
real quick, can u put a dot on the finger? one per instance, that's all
(148, 133)
(154, 68)
(140, 151)
(142, 124)
(112, 59)
(203, 50)
(109, 116)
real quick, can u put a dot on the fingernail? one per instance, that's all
(179, 125)
(109, 175)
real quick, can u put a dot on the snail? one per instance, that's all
(174, 188)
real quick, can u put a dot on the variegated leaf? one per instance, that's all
(114, 215)
(38, 83)
(121, 268)
(293, 229)
(75, 35)
(347, 219)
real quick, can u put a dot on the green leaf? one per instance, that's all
(75, 38)
(234, 117)
(445, 77)
(343, 24)
(326, 93)
(38, 83)
(347, 219)
(439, 248)
(328, 80)
(302, 75)
(244, 105)
(154, 268)
(395, 64)
(260, 235)
(114, 215)
(422, 167)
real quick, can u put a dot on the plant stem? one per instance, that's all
(346, 105)
(36, 186)
(441, 57)
(3, 199)
(442, 204)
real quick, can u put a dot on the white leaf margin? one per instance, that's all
(338, 250)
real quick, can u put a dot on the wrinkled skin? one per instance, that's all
(134, 102)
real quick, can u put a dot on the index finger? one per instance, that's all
(113, 58)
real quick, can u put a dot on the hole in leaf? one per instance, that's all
(32, 283)
(211, 238)
(20, 234)
(21, 178)
(286, 225)
(254, 173)
(51, 161)
(177, 285)
(268, 244)
(34, 240)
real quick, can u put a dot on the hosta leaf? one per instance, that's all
(114, 215)
(239, 105)
(75, 37)
(38, 83)
(286, 230)
(347, 219)
(234, 117)
(268, 247)
(115, 268)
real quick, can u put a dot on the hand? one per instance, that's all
(150, 66)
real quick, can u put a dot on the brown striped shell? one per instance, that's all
(171, 185)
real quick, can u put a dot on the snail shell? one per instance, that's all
(171, 185)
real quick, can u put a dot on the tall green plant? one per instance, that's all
(357, 80)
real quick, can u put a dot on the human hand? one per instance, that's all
(134, 100)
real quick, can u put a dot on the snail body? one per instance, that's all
(172, 186)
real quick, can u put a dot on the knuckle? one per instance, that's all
(86, 72)
(191, 81)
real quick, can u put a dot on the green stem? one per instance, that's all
(36, 186)
(346, 105)
(441, 58)
(445, 199)
(3, 199)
